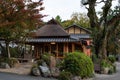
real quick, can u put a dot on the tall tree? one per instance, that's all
(67, 23)
(58, 18)
(113, 41)
(80, 19)
(17, 18)
(101, 27)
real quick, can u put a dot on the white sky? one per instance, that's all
(64, 8)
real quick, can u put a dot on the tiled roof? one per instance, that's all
(72, 38)
(80, 36)
(35, 40)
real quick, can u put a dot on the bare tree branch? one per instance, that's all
(106, 9)
(101, 1)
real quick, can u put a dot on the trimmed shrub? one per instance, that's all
(64, 76)
(79, 64)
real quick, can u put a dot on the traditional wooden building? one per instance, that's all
(53, 39)
(81, 34)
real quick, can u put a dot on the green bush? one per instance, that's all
(4, 59)
(105, 63)
(114, 68)
(94, 57)
(14, 52)
(10, 61)
(109, 65)
(33, 66)
(64, 76)
(111, 70)
(46, 57)
(111, 58)
(79, 64)
(39, 62)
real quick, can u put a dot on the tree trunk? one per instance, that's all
(101, 27)
(103, 50)
(8, 49)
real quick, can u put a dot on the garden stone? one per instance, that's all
(53, 65)
(56, 73)
(76, 78)
(45, 71)
(44, 64)
(5, 65)
(105, 70)
(52, 62)
(35, 72)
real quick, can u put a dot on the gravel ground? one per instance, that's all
(21, 68)
(20, 72)
(24, 69)
(10, 76)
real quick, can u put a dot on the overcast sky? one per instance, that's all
(64, 8)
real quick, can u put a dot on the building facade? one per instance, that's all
(53, 39)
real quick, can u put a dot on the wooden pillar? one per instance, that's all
(37, 52)
(50, 46)
(84, 49)
(73, 47)
(66, 48)
(30, 49)
(24, 51)
(43, 48)
(57, 50)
